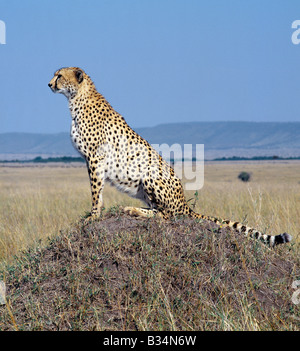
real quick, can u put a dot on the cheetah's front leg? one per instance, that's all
(96, 174)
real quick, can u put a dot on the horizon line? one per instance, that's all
(161, 124)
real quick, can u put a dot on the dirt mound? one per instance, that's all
(124, 273)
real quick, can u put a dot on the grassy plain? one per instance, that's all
(37, 202)
(122, 273)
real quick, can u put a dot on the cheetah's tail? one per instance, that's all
(272, 240)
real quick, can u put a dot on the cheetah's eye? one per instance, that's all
(58, 76)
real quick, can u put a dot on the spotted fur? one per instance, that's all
(115, 153)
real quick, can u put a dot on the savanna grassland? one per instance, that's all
(121, 273)
(37, 202)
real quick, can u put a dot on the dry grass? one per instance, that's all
(127, 274)
(37, 203)
(269, 202)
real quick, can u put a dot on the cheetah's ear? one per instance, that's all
(79, 75)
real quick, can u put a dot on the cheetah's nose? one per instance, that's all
(49, 85)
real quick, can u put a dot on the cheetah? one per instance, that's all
(115, 153)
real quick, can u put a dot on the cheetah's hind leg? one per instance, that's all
(142, 212)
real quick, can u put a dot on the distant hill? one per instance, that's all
(220, 139)
(227, 139)
(27, 143)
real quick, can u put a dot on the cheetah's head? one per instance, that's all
(67, 81)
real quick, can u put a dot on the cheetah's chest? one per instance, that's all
(76, 138)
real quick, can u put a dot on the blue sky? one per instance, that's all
(156, 61)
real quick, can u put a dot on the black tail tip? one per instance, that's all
(283, 238)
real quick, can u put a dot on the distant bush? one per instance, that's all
(65, 159)
(244, 176)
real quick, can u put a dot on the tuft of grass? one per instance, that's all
(123, 273)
